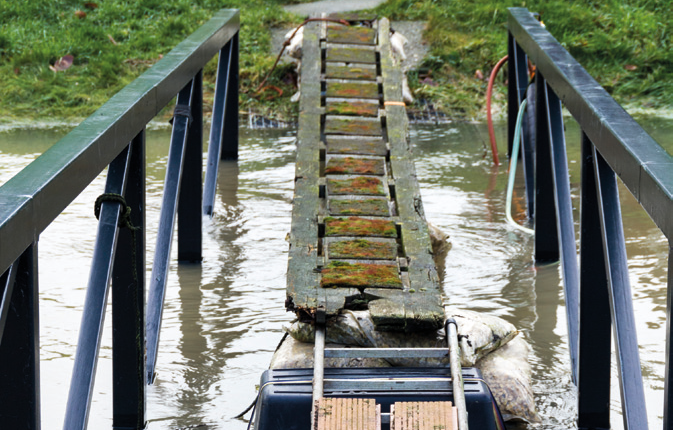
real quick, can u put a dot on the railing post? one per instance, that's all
(230, 142)
(668, 378)
(128, 303)
(217, 130)
(516, 86)
(546, 234)
(189, 203)
(593, 383)
(20, 350)
(621, 305)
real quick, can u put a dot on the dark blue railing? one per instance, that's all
(114, 136)
(597, 291)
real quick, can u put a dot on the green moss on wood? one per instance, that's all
(362, 90)
(376, 207)
(341, 274)
(350, 55)
(356, 146)
(362, 185)
(356, 226)
(352, 108)
(337, 71)
(363, 249)
(353, 126)
(355, 35)
(352, 165)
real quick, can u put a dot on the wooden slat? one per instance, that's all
(350, 55)
(351, 35)
(358, 90)
(422, 416)
(341, 71)
(346, 414)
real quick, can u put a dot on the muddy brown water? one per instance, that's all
(224, 318)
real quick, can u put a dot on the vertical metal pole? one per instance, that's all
(128, 303)
(565, 223)
(20, 350)
(230, 143)
(516, 87)
(528, 150)
(217, 127)
(621, 305)
(546, 234)
(593, 383)
(668, 383)
(189, 202)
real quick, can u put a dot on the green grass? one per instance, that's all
(114, 43)
(465, 36)
(606, 37)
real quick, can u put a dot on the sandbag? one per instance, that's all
(478, 334)
(292, 354)
(508, 374)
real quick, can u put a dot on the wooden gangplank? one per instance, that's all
(359, 238)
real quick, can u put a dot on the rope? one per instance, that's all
(125, 219)
(182, 110)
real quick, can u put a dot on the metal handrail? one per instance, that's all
(598, 293)
(113, 136)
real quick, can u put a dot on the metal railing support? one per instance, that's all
(546, 235)
(128, 302)
(189, 202)
(224, 72)
(93, 316)
(593, 378)
(169, 204)
(230, 142)
(20, 347)
(621, 306)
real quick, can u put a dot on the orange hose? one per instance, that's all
(489, 117)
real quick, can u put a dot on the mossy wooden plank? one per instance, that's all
(353, 126)
(357, 226)
(355, 165)
(357, 90)
(338, 274)
(370, 206)
(356, 108)
(362, 146)
(340, 71)
(351, 35)
(360, 185)
(350, 55)
(362, 249)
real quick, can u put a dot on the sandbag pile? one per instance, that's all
(486, 342)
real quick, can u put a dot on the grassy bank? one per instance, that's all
(112, 42)
(625, 45)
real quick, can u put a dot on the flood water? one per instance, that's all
(224, 318)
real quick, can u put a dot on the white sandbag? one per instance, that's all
(479, 334)
(508, 374)
(292, 354)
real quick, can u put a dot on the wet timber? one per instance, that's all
(359, 238)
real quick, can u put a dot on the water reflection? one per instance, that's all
(223, 318)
